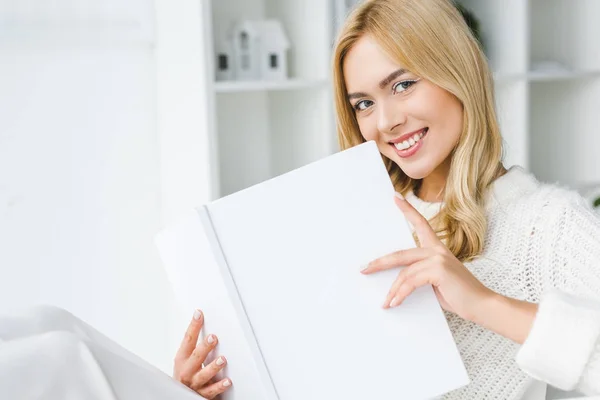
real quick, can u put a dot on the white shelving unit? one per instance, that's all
(257, 86)
(262, 129)
(549, 118)
(565, 117)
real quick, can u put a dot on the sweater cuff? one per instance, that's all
(562, 342)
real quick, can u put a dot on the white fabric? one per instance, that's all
(541, 238)
(47, 353)
(563, 320)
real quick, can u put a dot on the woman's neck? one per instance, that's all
(433, 185)
(431, 190)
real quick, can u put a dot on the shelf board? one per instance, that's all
(507, 77)
(541, 76)
(545, 76)
(300, 84)
(252, 86)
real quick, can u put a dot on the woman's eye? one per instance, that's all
(362, 105)
(403, 85)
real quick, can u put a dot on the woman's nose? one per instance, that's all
(390, 116)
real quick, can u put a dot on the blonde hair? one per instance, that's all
(431, 39)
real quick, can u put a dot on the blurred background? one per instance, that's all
(117, 116)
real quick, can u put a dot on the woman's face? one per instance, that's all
(415, 123)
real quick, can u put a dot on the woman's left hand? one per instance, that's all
(456, 288)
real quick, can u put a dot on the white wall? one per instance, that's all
(80, 189)
(189, 175)
(92, 164)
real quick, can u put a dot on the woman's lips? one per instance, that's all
(407, 136)
(405, 153)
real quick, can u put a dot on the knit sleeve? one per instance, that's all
(563, 347)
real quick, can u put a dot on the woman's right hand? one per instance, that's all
(188, 368)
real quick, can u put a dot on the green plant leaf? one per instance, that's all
(471, 20)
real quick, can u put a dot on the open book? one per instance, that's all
(276, 270)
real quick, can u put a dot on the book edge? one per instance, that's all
(238, 304)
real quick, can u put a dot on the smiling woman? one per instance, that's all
(409, 68)
(513, 262)
(398, 116)
(410, 76)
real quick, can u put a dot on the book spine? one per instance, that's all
(238, 305)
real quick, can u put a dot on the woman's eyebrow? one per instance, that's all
(357, 95)
(382, 84)
(391, 77)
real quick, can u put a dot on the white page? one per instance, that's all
(196, 278)
(294, 246)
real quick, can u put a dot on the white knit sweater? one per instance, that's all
(542, 246)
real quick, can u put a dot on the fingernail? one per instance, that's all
(220, 361)
(364, 267)
(398, 195)
(197, 315)
(210, 339)
(394, 302)
(227, 383)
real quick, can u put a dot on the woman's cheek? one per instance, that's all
(367, 131)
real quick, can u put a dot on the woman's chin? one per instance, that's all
(415, 167)
(415, 170)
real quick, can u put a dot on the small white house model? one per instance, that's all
(259, 50)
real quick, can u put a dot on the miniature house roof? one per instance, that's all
(249, 27)
(271, 33)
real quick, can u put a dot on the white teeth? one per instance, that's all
(410, 142)
(403, 145)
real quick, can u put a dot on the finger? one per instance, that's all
(398, 259)
(424, 232)
(188, 344)
(405, 274)
(425, 277)
(194, 363)
(212, 391)
(206, 374)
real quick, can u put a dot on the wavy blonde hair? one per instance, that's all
(431, 39)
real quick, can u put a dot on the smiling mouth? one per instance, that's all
(411, 140)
